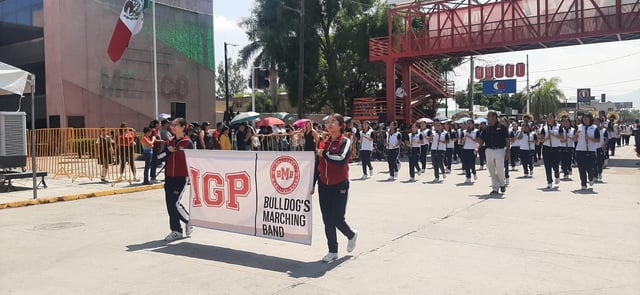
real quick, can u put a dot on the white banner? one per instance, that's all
(264, 194)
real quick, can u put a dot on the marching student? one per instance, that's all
(601, 146)
(515, 145)
(567, 149)
(457, 150)
(586, 139)
(527, 140)
(504, 121)
(176, 179)
(416, 140)
(453, 138)
(366, 147)
(550, 135)
(614, 131)
(439, 143)
(469, 151)
(394, 138)
(482, 150)
(538, 154)
(424, 148)
(333, 185)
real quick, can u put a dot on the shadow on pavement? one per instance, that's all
(295, 269)
(584, 192)
(627, 163)
(488, 196)
(147, 245)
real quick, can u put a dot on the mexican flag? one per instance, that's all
(129, 24)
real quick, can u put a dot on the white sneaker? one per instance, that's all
(174, 235)
(447, 171)
(549, 185)
(444, 175)
(412, 179)
(591, 182)
(364, 176)
(468, 180)
(584, 188)
(391, 178)
(557, 180)
(419, 172)
(371, 172)
(189, 229)
(330, 257)
(506, 181)
(352, 243)
(436, 179)
(422, 171)
(531, 173)
(475, 177)
(481, 167)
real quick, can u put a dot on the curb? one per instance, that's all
(49, 200)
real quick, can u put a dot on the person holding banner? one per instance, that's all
(333, 185)
(176, 179)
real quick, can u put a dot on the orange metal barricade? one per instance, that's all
(93, 153)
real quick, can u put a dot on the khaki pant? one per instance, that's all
(495, 165)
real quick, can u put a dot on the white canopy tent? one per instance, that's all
(16, 81)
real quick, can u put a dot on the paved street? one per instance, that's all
(415, 238)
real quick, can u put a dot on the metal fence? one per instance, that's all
(111, 153)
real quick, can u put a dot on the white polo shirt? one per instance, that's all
(437, 143)
(467, 136)
(582, 144)
(366, 145)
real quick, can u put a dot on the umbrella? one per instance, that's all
(300, 123)
(270, 121)
(442, 119)
(284, 116)
(346, 118)
(480, 120)
(462, 120)
(164, 116)
(426, 120)
(244, 117)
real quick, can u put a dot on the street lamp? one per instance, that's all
(226, 83)
(301, 56)
(529, 95)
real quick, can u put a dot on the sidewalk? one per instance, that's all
(63, 187)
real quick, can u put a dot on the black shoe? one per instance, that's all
(503, 188)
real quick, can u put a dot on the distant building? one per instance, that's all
(64, 43)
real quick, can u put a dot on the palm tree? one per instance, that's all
(546, 99)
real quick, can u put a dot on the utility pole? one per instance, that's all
(528, 90)
(471, 88)
(226, 83)
(301, 58)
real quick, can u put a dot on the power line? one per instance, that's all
(587, 65)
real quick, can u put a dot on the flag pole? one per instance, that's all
(155, 64)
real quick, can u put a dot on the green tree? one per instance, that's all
(237, 82)
(264, 104)
(546, 98)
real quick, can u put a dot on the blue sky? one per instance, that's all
(612, 68)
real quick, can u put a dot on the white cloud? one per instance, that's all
(222, 24)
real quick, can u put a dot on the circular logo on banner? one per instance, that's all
(498, 86)
(285, 174)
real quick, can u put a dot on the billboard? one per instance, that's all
(499, 86)
(623, 105)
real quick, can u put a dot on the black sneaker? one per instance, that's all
(503, 188)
